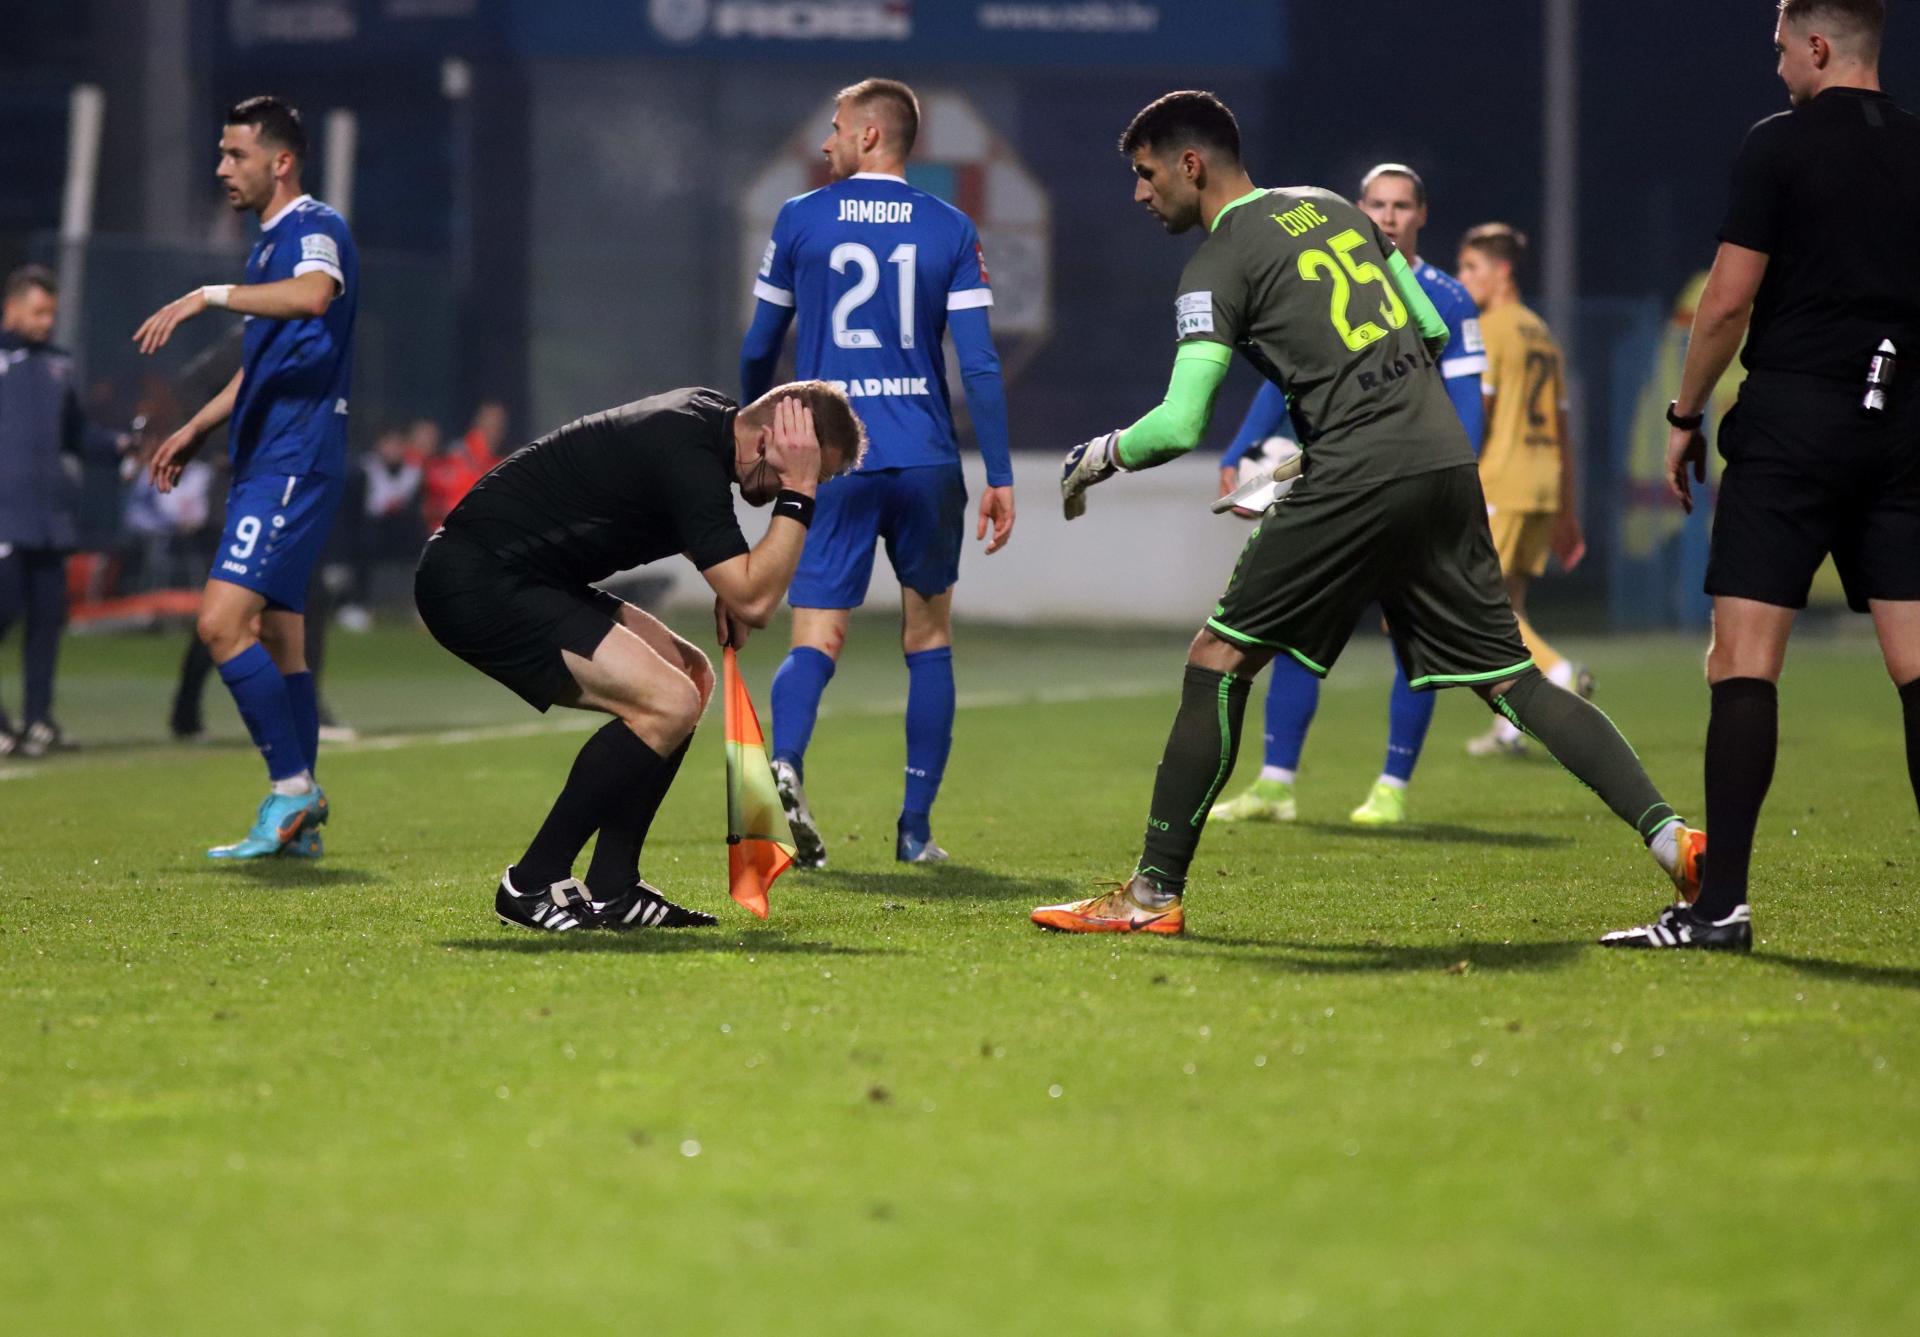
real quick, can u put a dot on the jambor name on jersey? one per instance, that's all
(871, 386)
(876, 211)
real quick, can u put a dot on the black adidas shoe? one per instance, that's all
(642, 906)
(564, 905)
(1682, 926)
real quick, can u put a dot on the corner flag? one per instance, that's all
(759, 841)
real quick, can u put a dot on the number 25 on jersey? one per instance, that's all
(1346, 273)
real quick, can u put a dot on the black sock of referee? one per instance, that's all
(1743, 733)
(1910, 707)
(612, 765)
(616, 854)
(1199, 757)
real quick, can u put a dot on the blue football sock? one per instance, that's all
(261, 694)
(798, 685)
(1408, 715)
(1293, 694)
(929, 735)
(305, 698)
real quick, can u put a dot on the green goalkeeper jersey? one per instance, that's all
(1303, 285)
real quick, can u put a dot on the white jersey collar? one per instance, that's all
(284, 210)
(877, 176)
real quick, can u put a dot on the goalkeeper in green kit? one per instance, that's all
(1387, 510)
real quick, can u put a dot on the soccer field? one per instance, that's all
(1384, 1085)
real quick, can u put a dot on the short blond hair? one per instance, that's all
(901, 107)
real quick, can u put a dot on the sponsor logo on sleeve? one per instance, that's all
(766, 259)
(1193, 313)
(981, 256)
(1470, 341)
(319, 247)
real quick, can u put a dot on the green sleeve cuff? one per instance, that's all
(1177, 424)
(1433, 327)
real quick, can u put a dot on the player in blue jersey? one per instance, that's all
(1395, 197)
(876, 271)
(286, 410)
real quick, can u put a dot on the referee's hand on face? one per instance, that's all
(1686, 448)
(793, 437)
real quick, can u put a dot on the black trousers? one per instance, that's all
(33, 587)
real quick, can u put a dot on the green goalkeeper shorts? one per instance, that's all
(1419, 547)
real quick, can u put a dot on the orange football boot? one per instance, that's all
(1115, 911)
(1691, 866)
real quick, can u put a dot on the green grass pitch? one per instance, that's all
(1384, 1085)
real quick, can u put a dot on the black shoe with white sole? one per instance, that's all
(642, 906)
(555, 909)
(1681, 926)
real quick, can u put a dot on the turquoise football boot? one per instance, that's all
(281, 818)
(306, 845)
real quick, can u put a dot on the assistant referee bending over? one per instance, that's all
(1821, 245)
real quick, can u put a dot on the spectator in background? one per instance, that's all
(393, 520)
(41, 425)
(451, 474)
(164, 531)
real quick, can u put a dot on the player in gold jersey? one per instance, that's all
(1526, 463)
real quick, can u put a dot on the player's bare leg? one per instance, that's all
(819, 634)
(926, 640)
(1199, 757)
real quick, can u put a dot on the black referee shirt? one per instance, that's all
(1830, 191)
(614, 490)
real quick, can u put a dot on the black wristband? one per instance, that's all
(795, 506)
(1690, 424)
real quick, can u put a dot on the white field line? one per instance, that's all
(581, 721)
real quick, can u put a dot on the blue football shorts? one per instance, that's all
(921, 516)
(276, 528)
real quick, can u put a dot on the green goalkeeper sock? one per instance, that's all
(1583, 739)
(1199, 758)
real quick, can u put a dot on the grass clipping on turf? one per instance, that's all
(759, 841)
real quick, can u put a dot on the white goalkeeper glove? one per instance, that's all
(1088, 463)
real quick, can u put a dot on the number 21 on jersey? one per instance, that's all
(853, 255)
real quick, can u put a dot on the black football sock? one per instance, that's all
(1910, 707)
(1743, 733)
(612, 764)
(1199, 757)
(616, 854)
(1584, 740)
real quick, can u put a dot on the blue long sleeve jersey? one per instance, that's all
(1461, 364)
(876, 271)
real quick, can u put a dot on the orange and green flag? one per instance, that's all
(759, 841)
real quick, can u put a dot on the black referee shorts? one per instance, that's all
(509, 622)
(1809, 473)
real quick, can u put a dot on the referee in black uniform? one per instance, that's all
(507, 584)
(1821, 245)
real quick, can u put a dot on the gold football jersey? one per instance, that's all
(1520, 460)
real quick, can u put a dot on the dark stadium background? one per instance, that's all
(564, 235)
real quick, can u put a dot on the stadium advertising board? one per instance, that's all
(1038, 32)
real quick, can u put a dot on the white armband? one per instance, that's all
(216, 294)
